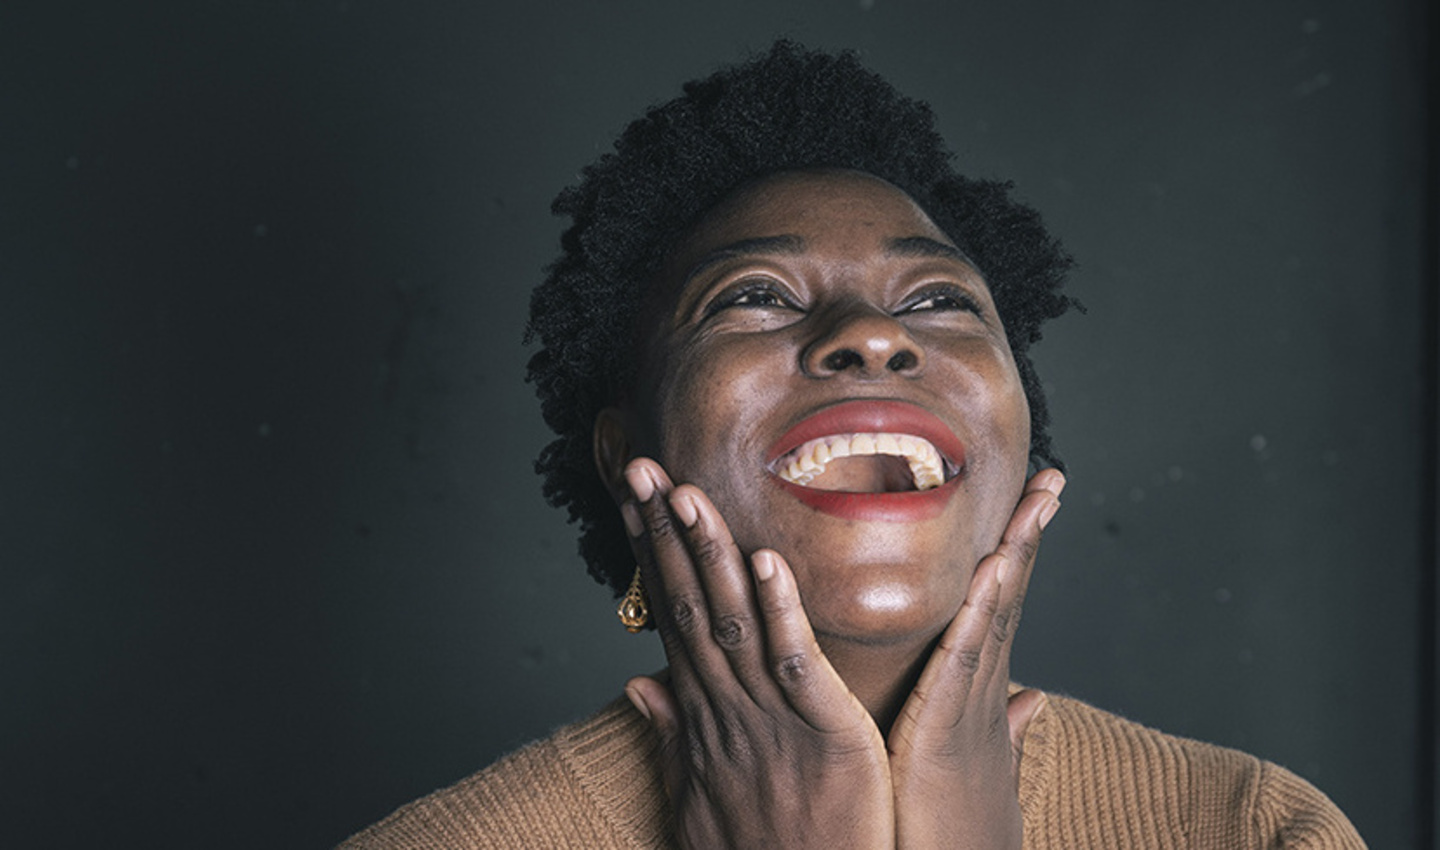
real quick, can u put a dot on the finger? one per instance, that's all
(1022, 708)
(975, 647)
(1037, 506)
(804, 675)
(684, 617)
(657, 542)
(1016, 556)
(1047, 479)
(648, 484)
(657, 704)
(735, 626)
(942, 694)
(649, 574)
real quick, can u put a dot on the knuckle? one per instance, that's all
(735, 746)
(1002, 626)
(1009, 620)
(776, 606)
(685, 614)
(662, 527)
(967, 659)
(674, 646)
(998, 729)
(672, 748)
(731, 631)
(792, 669)
(695, 710)
(707, 549)
(1026, 548)
(989, 604)
(696, 753)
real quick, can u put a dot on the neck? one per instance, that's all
(880, 675)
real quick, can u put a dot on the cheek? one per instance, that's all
(1000, 435)
(1019, 427)
(991, 395)
(706, 406)
(1012, 428)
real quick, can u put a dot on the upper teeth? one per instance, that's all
(804, 464)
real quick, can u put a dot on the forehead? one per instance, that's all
(841, 205)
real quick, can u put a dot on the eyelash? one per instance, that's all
(734, 298)
(958, 298)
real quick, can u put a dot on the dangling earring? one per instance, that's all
(634, 609)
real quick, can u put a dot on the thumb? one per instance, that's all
(1024, 707)
(657, 704)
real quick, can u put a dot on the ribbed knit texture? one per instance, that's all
(1088, 779)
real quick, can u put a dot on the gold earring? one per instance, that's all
(634, 609)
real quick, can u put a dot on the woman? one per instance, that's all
(794, 345)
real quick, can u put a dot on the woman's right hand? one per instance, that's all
(762, 743)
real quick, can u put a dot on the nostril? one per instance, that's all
(901, 361)
(842, 359)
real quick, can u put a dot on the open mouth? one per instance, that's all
(865, 463)
(870, 459)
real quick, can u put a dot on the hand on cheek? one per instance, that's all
(762, 744)
(956, 747)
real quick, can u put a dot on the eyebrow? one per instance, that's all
(788, 245)
(924, 246)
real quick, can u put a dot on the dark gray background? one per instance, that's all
(272, 557)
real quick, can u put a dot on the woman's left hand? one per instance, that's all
(955, 748)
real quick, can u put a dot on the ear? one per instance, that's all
(612, 447)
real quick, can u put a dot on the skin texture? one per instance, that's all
(833, 682)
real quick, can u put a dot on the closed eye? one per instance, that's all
(943, 299)
(755, 295)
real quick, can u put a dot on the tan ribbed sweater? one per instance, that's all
(1088, 780)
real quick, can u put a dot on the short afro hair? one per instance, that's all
(789, 109)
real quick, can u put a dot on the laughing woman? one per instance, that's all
(785, 352)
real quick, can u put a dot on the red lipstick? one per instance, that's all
(874, 416)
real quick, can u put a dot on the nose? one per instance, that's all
(866, 342)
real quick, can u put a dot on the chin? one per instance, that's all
(881, 614)
(872, 583)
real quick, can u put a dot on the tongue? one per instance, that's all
(866, 474)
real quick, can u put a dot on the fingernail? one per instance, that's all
(638, 701)
(1002, 570)
(1060, 488)
(630, 513)
(764, 566)
(685, 509)
(1048, 513)
(641, 484)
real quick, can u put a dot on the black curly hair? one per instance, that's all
(786, 110)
